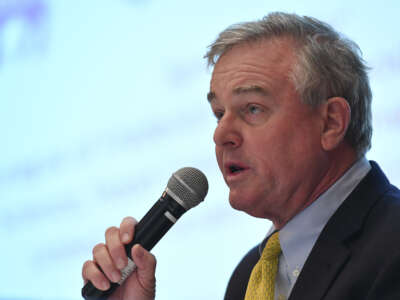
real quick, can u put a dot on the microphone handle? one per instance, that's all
(150, 229)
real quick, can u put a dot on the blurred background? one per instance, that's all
(101, 101)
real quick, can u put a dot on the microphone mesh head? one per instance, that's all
(190, 185)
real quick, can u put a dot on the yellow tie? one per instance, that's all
(262, 279)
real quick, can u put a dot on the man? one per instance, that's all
(293, 105)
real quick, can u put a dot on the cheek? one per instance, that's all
(277, 148)
(302, 148)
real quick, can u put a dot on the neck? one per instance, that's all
(337, 163)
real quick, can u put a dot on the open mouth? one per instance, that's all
(234, 169)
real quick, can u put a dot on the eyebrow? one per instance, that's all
(241, 90)
(249, 89)
(210, 96)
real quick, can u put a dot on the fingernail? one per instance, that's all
(125, 238)
(115, 276)
(140, 252)
(105, 285)
(120, 264)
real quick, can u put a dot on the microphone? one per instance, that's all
(186, 188)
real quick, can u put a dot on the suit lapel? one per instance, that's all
(325, 261)
(333, 247)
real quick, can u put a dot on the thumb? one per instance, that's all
(146, 266)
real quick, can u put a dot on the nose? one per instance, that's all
(227, 133)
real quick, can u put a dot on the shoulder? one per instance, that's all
(371, 213)
(384, 213)
(374, 201)
(383, 220)
(238, 282)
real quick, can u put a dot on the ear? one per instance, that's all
(336, 114)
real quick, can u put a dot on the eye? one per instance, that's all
(255, 114)
(218, 114)
(254, 109)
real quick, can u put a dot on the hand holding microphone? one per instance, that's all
(110, 258)
(122, 268)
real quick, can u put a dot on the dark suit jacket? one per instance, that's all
(357, 255)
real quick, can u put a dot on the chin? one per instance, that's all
(242, 204)
(248, 205)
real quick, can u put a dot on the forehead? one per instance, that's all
(260, 63)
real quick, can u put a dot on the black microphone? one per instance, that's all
(186, 188)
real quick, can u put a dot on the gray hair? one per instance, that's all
(328, 65)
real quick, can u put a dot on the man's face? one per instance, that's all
(267, 141)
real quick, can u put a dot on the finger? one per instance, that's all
(116, 248)
(103, 258)
(91, 272)
(146, 266)
(127, 229)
